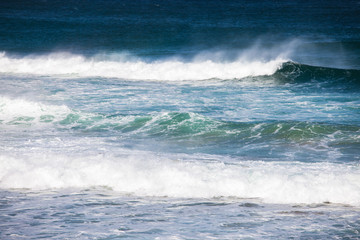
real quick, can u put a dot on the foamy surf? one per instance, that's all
(149, 175)
(14, 111)
(179, 120)
(137, 69)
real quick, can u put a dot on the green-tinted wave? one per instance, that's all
(199, 128)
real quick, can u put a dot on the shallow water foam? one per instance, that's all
(151, 175)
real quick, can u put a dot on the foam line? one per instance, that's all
(151, 175)
(17, 110)
(129, 68)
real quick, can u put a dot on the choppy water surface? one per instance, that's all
(148, 120)
(103, 214)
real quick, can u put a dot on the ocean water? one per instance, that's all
(179, 119)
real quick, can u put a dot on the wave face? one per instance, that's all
(291, 72)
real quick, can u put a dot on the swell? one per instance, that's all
(199, 128)
(176, 126)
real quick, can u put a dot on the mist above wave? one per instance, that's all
(130, 67)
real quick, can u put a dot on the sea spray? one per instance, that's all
(156, 70)
(179, 119)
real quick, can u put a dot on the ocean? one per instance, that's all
(179, 119)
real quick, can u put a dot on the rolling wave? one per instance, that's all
(278, 70)
(126, 67)
(291, 72)
(170, 125)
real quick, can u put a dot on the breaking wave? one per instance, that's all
(277, 70)
(136, 69)
(150, 175)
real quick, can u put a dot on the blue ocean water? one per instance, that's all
(179, 119)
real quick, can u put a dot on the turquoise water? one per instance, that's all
(173, 120)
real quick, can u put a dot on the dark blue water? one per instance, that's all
(179, 119)
(178, 27)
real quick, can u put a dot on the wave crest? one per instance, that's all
(136, 69)
(21, 111)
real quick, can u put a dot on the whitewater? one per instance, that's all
(179, 120)
(145, 173)
(185, 133)
(172, 69)
(151, 176)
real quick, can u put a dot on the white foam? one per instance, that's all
(149, 175)
(17, 109)
(137, 69)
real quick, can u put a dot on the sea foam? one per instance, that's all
(137, 69)
(18, 110)
(147, 174)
